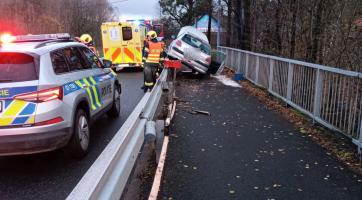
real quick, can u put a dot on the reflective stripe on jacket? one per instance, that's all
(154, 52)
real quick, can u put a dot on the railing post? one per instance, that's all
(233, 60)
(257, 70)
(271, 74)
(239, 63)
(360, 133)
(318, 90)
(290, 81)
(246, 65)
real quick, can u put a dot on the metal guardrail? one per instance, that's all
(108, 176)
(330, 96)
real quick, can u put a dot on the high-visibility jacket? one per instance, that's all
(154, 52)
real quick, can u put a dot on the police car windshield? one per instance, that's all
(16, 67)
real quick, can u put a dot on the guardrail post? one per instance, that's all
(318, 90)
(290, 81)
(271, 74)
(257, 70)
(233, 59)
(239, 63)
(246, 65)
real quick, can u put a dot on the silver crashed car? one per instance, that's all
(51, 89)
(191, 47)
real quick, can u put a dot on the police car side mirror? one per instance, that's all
(107, 63)
(173, 37)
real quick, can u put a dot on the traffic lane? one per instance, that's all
(53, 175)
(245, 151)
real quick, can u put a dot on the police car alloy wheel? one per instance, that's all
(79, 143)
(114, 112)
(83, 132)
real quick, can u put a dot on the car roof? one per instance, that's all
(39, 48)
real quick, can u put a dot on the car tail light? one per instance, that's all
(208, 60)
(178, 43)
(42, 96)
(49, 122)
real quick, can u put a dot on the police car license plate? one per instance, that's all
(1, 106)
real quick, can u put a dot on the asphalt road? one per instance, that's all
(245, 151)
(53, 175)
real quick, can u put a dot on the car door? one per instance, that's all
(100, 77)
(81, 75)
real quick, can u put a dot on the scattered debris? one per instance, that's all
(202, 112)
(227, 81)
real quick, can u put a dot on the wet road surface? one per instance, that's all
(245, 151)
(53, 175)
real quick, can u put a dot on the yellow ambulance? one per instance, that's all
(123, 43)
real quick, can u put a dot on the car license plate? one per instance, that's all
(1, 106)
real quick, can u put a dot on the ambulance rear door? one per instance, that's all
(128, 44)
(112, 42)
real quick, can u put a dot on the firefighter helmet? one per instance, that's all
(152, 34)
(86, 38)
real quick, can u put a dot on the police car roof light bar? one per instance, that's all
(41, 37)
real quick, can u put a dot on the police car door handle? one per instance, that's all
(85, 86)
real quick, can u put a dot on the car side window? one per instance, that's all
(59, 62)
(91, 58)
(75, 59)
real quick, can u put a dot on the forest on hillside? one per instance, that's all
(327, 32)
(54, 16)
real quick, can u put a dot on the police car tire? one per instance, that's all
(74, 147)
(114, 112)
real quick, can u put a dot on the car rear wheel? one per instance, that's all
(79, 143)
(115, 111)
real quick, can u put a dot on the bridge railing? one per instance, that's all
(330, 96)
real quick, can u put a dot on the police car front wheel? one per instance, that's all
(78, 144)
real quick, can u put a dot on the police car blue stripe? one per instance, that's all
(20, 120)
(70, 88)
(7, 103)
(28, 110)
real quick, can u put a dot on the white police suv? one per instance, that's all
(51, 89)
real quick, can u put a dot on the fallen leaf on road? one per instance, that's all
(302, 130)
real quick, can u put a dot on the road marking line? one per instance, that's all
(159, 171)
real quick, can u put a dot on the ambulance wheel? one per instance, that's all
(115, 111)
(79, 142)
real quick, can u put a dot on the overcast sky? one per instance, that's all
(137, 9)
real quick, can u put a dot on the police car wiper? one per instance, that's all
(5, 80)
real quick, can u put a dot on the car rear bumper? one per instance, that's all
(190, 64)
(195, 66)
(33, 140)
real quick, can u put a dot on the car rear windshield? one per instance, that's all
(17, 67)
(197, 43)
